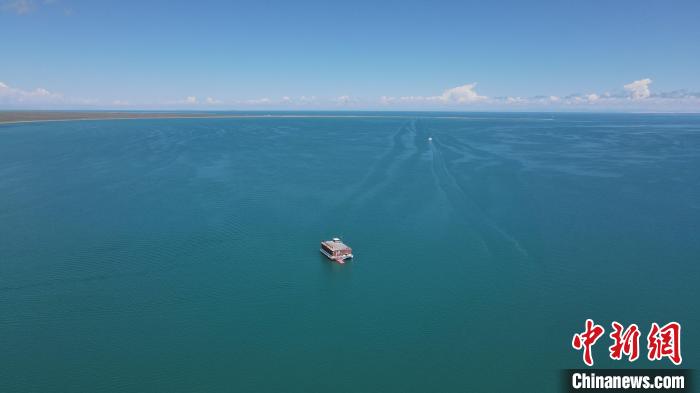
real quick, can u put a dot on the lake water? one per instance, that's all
(182, 255)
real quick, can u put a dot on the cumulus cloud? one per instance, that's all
(639, 90)
(635, 96)
(462, 94)
(632, 96)
(13, 95)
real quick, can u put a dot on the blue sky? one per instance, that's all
(499, 55)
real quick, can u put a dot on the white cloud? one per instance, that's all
(639, 90)
(635, 96)
(344, 100)
(259, 101)
(12, 95)
(307, 99)
(462, 94)
(193, 100)
(416, 98)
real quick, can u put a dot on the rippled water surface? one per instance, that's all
(182, 255)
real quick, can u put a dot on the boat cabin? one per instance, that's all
(336, 250)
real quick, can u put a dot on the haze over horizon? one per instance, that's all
(459, 56)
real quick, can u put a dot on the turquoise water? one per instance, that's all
(182, 255)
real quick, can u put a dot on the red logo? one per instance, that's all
(626, 342)
(665, 342)
(662, 342)
(586, 340)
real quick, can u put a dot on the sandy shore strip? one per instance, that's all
(32, 116)
(9, 117)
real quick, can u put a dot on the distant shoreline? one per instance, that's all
(29, 116)
(19, 117)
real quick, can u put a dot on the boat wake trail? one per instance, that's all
(492, 236)
(388, 164)
(415, 176)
